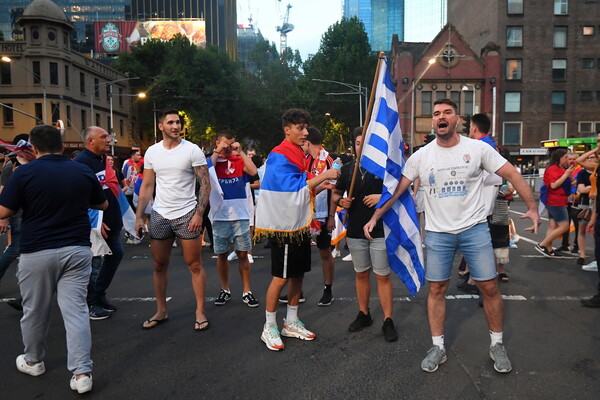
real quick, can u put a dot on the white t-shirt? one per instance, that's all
(452, 180)
(175, 178)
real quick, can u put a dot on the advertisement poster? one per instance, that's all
(114, 37)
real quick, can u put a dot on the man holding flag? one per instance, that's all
(451, 171)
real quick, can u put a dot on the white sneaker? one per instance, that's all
(83, 384)
(347, 258)
(336, 253)
(270, 335)
(515, 238)
(592, 267)
(297, 329)
(232, 256)
(250, 259)
(33, 370)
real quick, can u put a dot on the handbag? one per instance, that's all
(585, 214)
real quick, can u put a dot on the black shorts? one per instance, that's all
(500, 236)
(324, 238)
(290, 259)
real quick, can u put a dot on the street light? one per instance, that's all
(356, 89)
(430, 62)
(42, 83)
(464, 88)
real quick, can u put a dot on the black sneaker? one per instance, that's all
(250, 300)
(581, 261)
(467, 288)
(545, 252)
(389, 330)
(575, 250)
(593, 302)
(17, 304)
(283, 299)
(362, 321)
(326, 299)
(223, 298)
(103, 302)
(563, 248)
(98, 313)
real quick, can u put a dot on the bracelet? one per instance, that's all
(331, 215)
(337, 203)
(218, 152)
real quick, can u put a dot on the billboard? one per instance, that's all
(114, 37)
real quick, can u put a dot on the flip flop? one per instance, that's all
(151, 323)
(200, 324)
(503, 277)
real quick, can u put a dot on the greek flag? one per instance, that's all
(383, 156)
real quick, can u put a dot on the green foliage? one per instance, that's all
(336, 136)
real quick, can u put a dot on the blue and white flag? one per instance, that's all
(383, 156)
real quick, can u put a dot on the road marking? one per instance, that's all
(116, 299)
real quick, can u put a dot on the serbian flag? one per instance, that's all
(339, 232)
(284, 206)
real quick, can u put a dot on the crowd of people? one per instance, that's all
(179, 193)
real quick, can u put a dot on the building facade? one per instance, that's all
(549, 51)
(42, 80)
(382, 19)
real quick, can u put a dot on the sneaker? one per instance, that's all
(362, 321)
(501, 361)
(467, 288)
(249, 299)
(563, 248)
(232, 256)
(283, 299)
(98, 313)
(512, 244)
(389, 330)
(296, 329)
(223, 298)
(435, 356)
(326, 299)
(270, 335)
(347, 258)
(580, 261)
(593, 302)
(103, 302)
(593, 266)
(545, 252)
(250, 259)
(575, 249)
(81, 385)
(17, 304)
(336, 253)
(515, 238)
(33, 370)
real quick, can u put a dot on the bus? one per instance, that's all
(577, 145)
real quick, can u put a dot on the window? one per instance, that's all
(5, 78)
(587, 30)
(512, 102)
(120, 97)
(469, 102)
(513, 69)
(7, 115)
(108, 92)
(587, 63)
(83, 118)
(55, 112)
(560, 37)
(82, 82)
(108, 123)
(37, 77)
(96, 88)
(512, 133)
(39, 113)
(586, 127)
(561, 7)
(68, 116)
(514, 36)
(586, 95)
(121, 127)
(425, 103)
(440, 95)
(558, 130)
(53, 73)
(514, 6)
(559, 70)
(559, 101)
(455, 97)
(97, 123)
(67, 77)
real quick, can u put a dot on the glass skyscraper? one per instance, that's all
(423, 19)
(382, 19)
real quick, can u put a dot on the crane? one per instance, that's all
(284, 29)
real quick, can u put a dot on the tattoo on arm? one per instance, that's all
(202, 176)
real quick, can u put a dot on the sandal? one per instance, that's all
(502, 277)
(199, 324)
(151, 323)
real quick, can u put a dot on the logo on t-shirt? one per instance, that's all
(467, 158)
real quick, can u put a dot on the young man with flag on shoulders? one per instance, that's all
(457, 220)
(284, 214)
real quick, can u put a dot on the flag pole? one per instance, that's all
(364, 129)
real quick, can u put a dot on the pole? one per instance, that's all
(493, 111)
(92, 109)
(154, 112)
(475, 108)
(360, 103)
(44, 113)
(112, 134)
(412, 117)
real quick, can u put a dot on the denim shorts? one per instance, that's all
(369, 253)
(557, 213)
(225, 232)
(476, 246)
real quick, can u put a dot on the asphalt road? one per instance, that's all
(553, 341)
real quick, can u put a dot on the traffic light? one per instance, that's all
(428, 138)
(467, 125)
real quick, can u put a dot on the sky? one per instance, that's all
(311, 19)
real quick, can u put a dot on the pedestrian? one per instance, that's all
(231, 217)
(366, 254)
(55, 256)
(131, 169)
(451, 170)
(283, 213)
(94, 155)
(174, 165)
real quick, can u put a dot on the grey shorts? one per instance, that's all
(161, 228)
(369, 253)
(225, 232)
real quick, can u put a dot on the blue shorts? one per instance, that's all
(225, 232)
(476, 245)
(557, 213)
